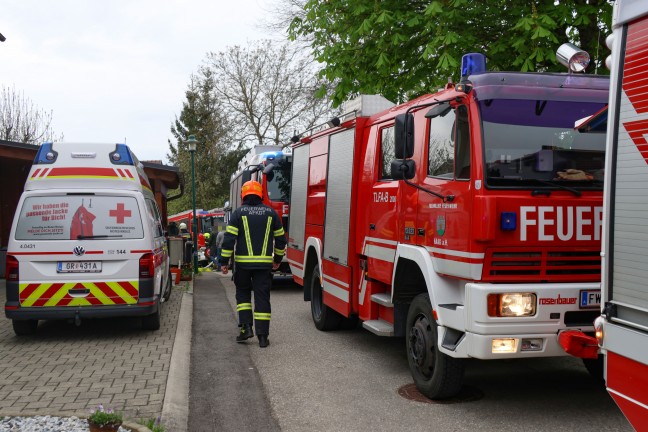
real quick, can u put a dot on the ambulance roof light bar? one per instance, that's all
(121, 155)
(45, 154)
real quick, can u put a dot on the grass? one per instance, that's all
(155, 425)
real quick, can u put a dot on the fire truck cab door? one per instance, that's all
(443, 224)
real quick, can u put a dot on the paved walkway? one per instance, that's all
(226, 392)
(69, 370)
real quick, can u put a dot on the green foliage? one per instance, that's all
(103, 417)
(402, 49)
(215, 157)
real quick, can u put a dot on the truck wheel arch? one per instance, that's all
(313, 258)
(415, 273)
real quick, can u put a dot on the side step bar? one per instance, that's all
(379, 327)
(382, 299)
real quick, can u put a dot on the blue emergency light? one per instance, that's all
(121, 155)
(45, 154)
(508, 221)
(472, 64)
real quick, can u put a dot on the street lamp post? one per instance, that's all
(191, 142)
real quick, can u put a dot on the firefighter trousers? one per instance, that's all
(259, 281)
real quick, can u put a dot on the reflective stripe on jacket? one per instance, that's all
(254, 236)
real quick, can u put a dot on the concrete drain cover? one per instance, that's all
(467, 394)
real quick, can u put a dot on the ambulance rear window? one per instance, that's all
(79, 217)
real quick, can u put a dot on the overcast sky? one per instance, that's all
(116, 70)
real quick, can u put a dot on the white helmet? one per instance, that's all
(183, 225)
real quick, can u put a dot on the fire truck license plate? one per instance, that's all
(79, 267)
(590, 299)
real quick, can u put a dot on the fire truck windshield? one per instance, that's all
(278, 181)
(531, 142)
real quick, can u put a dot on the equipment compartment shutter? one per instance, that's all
(629, 209)
(298, 191)
(338, 196)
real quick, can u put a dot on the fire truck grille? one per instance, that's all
(542, 265)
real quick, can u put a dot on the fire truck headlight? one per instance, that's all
(504, 345)
(512, 304)
(598, 330)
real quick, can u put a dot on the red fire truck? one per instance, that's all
(206, 219)
(467, 221)
(622, 328)
(270, 165)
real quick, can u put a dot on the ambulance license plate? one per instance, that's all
(79, 267)
(590, 299)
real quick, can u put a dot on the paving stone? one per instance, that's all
(69, 369)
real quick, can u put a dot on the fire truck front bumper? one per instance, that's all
(517, 320)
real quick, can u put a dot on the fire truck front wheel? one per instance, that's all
(24, 327)
(324, 317)
(436, 375)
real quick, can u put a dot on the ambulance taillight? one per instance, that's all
(146, 267)
(11, 269)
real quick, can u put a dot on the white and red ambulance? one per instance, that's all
(86, 240)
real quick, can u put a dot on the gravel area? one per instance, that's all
(45, 424)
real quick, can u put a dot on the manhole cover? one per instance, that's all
(467, 394)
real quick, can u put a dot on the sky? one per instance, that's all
(117, 70)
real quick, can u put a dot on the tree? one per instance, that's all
(268, 92)
(215, 157)
(21, 121)
(402, 49)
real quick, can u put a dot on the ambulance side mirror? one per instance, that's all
(403, 169)
(404, 136)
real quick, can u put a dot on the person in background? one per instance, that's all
(218, 247)
(255, 230)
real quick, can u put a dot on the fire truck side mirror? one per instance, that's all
(404, 136)
(403, 169)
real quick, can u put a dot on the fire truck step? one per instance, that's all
(382, 299)
(379, 327)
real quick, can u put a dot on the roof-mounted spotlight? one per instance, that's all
(294, 139)
(334, 122)
(2, 38)
(572, 57)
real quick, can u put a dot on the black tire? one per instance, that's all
(153, 321)
(595, 368)
(324, 317)
(166, 295)
(436, 375)
(24, 327)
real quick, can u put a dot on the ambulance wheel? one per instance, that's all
(166, 295)
(324, 317)
(436, 375)
(24, 327)
(152, 322)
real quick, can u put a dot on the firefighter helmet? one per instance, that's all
(183, 226)
(251, 188)
(207, 236)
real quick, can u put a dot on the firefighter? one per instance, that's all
(256, 232)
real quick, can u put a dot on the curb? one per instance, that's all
(175, 410)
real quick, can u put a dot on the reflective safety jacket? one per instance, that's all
(256, 232)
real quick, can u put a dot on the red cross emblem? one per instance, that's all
(120, 213)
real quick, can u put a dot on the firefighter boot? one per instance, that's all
(263, 341)
(245, 333)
